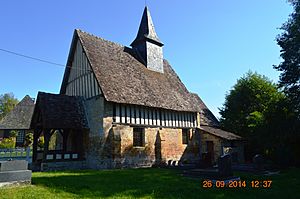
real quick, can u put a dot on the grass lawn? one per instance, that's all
(147, 183)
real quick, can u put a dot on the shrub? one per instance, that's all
(41, 142)
(13, 133)
(28, 139)
(7, 143)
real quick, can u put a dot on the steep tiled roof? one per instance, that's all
(210, 124)
(123, 79)
(206, 117)
(20, 116)
(59, 111)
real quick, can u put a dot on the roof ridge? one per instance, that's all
(97, 37)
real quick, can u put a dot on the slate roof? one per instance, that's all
(220, 133)
(59, 111)
(146, 30)
(210, 124)
(124, 79)
(20, 116)
(206, 116)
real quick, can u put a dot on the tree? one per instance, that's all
(289, 41)
(7, 103)
(245, 108)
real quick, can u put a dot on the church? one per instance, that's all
(123, 106)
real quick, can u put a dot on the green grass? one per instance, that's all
(146, 183)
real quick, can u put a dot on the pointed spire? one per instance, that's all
(146, 30)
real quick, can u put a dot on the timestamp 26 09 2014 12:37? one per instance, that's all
(237, 184)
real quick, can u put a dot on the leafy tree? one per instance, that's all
(7, 103)
(245, 108)
(289, 41)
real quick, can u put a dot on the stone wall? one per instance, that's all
(98, 146)
(111, 145)
(219, 143)
(162, 146)
(67, 165)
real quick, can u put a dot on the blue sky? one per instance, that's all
(209, 43)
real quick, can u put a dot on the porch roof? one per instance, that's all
(57, 111)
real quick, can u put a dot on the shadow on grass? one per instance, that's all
(159, 183)
(154, 183)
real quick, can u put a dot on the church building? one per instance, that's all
(125, 106)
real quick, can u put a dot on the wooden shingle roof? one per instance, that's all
(206, 116)
(57, 111)
(124, 79)
(220, 133)
(20, 116)
(210, 124)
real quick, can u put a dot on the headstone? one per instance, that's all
(14, 172)
(258, 162)
(224, 166)
(13, 165)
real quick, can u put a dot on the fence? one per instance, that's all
(16, 153)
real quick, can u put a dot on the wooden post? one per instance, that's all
(65, 139)
(46, 144)
(36, 135)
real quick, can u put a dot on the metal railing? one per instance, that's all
(16, 153)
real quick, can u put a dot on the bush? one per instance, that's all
(13, 133)
(7, 143)
(41, 142)
(28, 139)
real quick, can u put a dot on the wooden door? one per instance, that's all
(210, 150)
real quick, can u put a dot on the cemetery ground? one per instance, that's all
(147, 183)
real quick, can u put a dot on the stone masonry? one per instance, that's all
(111, 145)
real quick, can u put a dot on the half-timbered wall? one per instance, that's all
(139, 115)
(82, 81)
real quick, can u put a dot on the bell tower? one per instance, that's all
(148, 45)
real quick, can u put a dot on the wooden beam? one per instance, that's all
(127, 114)
(163, 123)
(36, 135)
(117, 113)
(132, 114)
(142, 115)
(146, 116)
(65, 139)
(46, 143)
(137, 114)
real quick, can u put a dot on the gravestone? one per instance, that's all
(258, 162)
(225, 166)
(14, 172)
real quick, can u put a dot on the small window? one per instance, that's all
(185, 136)
(138, 137)
(20, 137)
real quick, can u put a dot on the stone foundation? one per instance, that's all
(70, 165)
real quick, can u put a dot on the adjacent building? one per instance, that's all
(18, 120)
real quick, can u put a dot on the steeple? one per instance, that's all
(147, 43)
